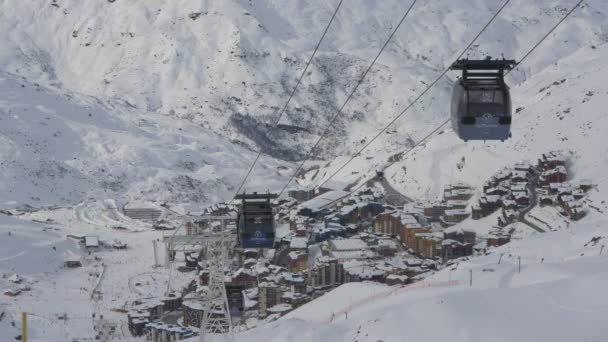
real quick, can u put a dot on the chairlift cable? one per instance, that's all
(545, 36)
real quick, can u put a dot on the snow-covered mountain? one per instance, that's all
(103, 102)
(61, 148)
(229, 65)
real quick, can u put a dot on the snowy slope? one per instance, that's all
(562, 108)
(560, 298)
(63, 148)
(229, 65)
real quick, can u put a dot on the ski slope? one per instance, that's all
(558, 295)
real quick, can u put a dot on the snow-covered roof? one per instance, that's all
(71, 256)
(345, 255)
(294, 255)
(458, 230)
(453, 212)
(348, 244)
(298, 242)
(280, 308)
(141, 205)
(456, 203)
(558, 169)
(15, 278)
(91, 241)
(320, 201)
(402, 278)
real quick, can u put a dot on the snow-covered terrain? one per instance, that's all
(106, 103)
(557, 295)
(63, 148)
(229, 65)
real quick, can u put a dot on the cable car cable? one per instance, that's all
(290, 96)
(333, 119)
(545, 36)
(431, 85)
(448, 120)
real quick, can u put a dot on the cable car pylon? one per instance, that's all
(216, 324)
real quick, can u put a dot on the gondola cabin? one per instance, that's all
(481, 102)
(255, 222)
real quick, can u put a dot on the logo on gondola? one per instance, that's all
(258, 235)
(487, 120)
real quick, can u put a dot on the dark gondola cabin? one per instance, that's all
(255, 224)
(481, 102)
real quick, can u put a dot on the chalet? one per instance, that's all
(523, 186)
(243, 278)
(521, 198)
(555, 175)
(497, 179)
(578, 193)
(508, 216)
(497, 238)
(524, 166)
(519, 177)
(91, 243)
(72, 260)
(489, 204)
(585, 186)
(559, 188)
(551, 160)
(572, 207)
(497, 190)
(547, 200)
(509, 204)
